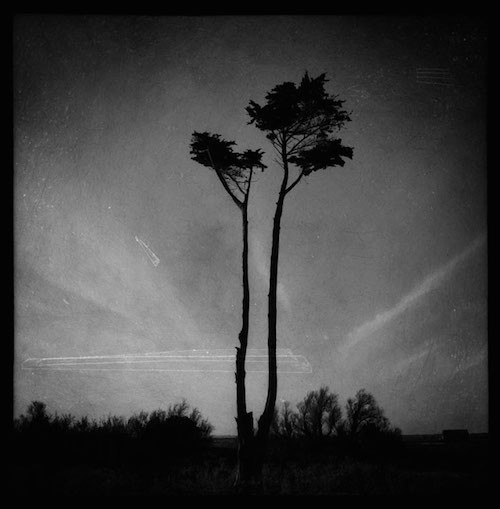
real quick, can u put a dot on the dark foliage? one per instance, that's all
(107, 457)
(212, 151)
(364, 416)
(319, 414)
(234, 169)
(284, 423)
(324, 154)
(300, 122)
(159, 436)
(317, 426)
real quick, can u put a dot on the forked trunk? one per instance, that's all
(252, 448)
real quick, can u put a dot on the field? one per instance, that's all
(421, 465)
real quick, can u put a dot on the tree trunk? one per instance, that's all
(244, 420)
(267, 416)
(250, 456)
(272, 390)
(252, 449)
(241, 352)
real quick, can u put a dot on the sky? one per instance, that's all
(383, 262)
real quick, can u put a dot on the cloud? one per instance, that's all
(364, 331)
(109, 284)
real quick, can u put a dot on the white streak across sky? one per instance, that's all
(364, 331)
(220, 361)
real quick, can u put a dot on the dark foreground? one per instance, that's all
(419, 465)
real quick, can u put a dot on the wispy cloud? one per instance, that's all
(432, 281)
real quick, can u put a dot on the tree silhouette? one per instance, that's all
(36, 420)
(235, 172)
(319, 414)
(300, 122)
(284, 424)
(362, 412)
(161, 434)
(176, 430)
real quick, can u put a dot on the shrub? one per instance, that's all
(160, 434)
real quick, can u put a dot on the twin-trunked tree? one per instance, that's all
(300, 122)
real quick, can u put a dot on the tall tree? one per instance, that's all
(300, 121)
(235, 172)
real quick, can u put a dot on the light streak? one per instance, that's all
(154, 259)
(175, 361)
(431, 282)
(434, 76)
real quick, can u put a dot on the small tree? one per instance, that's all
(182, 410)
(284, 423)
(176, 429)
(319, 414)
(36, 420)
(363, 412)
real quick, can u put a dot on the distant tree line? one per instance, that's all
(181, 431)
(159, 435)
(319, 418)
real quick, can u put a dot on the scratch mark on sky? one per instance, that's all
(154, 259)
(178, 361)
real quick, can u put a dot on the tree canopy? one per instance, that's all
(300, 122)
(363, 411)
(319, 413)
(233, 168)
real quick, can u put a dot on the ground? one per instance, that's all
(421, 467)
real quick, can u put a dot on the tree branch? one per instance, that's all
(277, 148)
(236, 200)
(249, 184)
(309, 132)
(278, 162)
(293, 184)
(237, 184)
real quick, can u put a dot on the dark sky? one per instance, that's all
(383, 264)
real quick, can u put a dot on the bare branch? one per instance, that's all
(276, 147)
(235, 180)
(293, 184)
(309, 132)
(236, 200)
(279, 162)
(249, 184)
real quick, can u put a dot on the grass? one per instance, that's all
(213, 473)
(163, 453)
